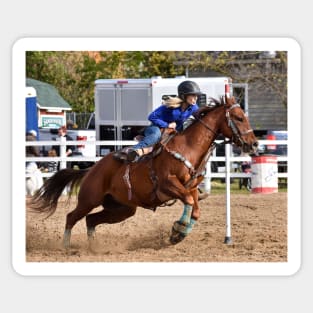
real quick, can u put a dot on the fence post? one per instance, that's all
(228, 239)
(205, 185)
(63, 163)
(62, 152)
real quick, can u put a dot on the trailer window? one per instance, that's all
(202, 101)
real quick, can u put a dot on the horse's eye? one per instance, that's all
(239, 119)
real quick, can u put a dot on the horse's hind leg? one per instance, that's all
(71, 219)
(109, 215)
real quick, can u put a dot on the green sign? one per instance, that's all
(52, 121)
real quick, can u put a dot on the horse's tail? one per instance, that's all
(45, 199)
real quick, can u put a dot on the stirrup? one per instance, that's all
(132, 155)
(121, 155)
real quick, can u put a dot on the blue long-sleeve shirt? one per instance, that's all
(162, 116)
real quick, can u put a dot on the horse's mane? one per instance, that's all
(213, 105)
(216, 102)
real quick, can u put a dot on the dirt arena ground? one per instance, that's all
(259, 233)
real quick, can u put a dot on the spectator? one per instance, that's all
(34, 181)
(32, 151)
(51, 166)
(71, 125)
(62, 132)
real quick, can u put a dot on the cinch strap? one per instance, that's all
(127, 182)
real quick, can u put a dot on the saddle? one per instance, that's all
(147, 152)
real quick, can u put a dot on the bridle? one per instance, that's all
(236, 131)
(231, 124)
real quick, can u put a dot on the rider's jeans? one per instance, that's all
(152, 135)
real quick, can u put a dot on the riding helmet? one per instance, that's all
(188, 87)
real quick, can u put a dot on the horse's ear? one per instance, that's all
(229, 101)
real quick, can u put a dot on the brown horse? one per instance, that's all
(174, 173)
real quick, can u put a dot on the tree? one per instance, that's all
(263, 69)
(73, 72)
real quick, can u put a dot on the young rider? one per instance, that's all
(171, 114)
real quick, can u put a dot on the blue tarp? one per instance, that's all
(31, 115)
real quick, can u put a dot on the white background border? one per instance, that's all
(201, 44)
(226, 18)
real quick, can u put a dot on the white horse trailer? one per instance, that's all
(123, 105)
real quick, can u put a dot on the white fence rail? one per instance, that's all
(63, 159)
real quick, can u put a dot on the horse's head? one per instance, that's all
(236, 126)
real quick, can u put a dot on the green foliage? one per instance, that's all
(73, 72)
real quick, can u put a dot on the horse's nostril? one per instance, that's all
(255, 144)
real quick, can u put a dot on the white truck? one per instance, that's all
(123, 105)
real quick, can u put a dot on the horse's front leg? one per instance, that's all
(184, 225)
(196, 209)
(191, 212)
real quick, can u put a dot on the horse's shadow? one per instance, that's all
(153, 240)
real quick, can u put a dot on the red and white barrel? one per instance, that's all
(264, 177)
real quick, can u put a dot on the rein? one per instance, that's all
(206, 126)
(236, 131)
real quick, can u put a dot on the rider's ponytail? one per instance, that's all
(172, 102)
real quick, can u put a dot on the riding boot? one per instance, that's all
(134, 154)
(120, 155)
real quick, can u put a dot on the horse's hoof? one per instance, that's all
(203, 195)
(66, 244)
(92, 242)
(176, 236)
(67, 239)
